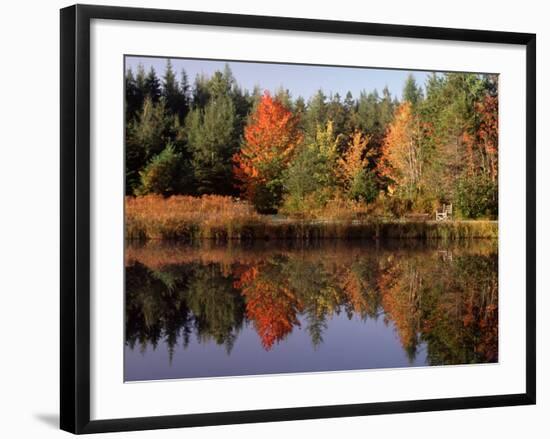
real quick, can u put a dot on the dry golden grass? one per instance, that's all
(222, 219)
(186, 217)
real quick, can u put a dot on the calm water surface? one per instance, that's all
(214, 311)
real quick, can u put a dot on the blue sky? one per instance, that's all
(300, 80)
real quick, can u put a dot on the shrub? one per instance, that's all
(363, 187)
(477, 196)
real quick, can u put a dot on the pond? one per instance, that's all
(283, 307)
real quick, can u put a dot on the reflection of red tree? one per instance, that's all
(270, 305)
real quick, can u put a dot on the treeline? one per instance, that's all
(285, 154)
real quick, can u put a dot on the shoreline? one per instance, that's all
(266, 229)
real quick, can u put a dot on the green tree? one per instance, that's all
(211, 141)
(336, 113)
(477, 196)
(146, 136)
(367, 118)
(133, 98)
(363, 186)
(386, 110)
(316, 114)
(411, 91)
(162, 174)
(310, 179)
(173, 93)
(152, 86)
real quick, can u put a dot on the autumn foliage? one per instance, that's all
(487, 136)
(270, 138)
(387, 155)
(271, 305)
(445, 303)
(354, 160)
(401, 159)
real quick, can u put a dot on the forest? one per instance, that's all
(331, 157)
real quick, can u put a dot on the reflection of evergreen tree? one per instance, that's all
(315, 286)
(218, 309)
(155, 308)
(449, 306)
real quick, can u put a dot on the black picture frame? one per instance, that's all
(75, 217)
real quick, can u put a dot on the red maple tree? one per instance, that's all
(270, 138)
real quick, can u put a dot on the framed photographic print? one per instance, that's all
(286, 218)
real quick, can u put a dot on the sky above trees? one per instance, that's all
(300, 80)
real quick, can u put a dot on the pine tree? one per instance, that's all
(140, 84)
(411, 91)
(386, 109)
(176, 102)
(133, 100)
(161, 175)
(316, 114)
(336, 113)
(311, 177)
(152, 86)
(146, 136)
(211, 141)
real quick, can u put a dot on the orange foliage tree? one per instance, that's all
(357, 179)
(354, 160)
(270, 139)
(401, 159)
(272, 307)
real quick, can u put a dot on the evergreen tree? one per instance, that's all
(367, 117)
(411, 91)
(283, 95)
(300, 109)
(162, 174)
(133, 98)
(175, 98)
(336, 113)
(310, 179)
(349, 108)
(152, 86)
(201, 93)
(386, 109)
(146, 136)
(140, 85)
(211, 141)
(316, 114)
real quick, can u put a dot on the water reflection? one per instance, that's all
(275, 307)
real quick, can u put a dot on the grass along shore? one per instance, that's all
(222, 219)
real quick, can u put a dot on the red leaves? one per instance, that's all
(270, 139)
(272, 307)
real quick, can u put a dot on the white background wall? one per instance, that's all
(29, 186)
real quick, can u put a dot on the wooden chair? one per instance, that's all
(445, 213)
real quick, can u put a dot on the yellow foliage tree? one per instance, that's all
(401, 159)
(354, 159)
